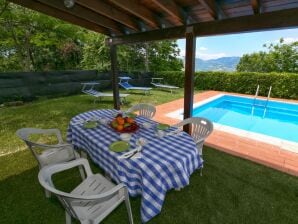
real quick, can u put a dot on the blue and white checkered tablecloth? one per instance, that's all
(166, 162)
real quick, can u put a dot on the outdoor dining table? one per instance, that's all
(165, 163)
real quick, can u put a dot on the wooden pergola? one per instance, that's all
(132, 21)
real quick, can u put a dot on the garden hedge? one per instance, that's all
(27, 86)
(284, 85)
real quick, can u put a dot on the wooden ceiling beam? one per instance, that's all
(214, 9)
(134, 7)
(265, 21)
(172, 9)
(256, 6)
(110, 12)
(85, 13)
(37, 6)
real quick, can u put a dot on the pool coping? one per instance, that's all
(273, 152)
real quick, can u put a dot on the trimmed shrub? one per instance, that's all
(284, 85)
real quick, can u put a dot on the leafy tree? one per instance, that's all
(31, 41)
(280, 57)
(95, 52)
(155, 56)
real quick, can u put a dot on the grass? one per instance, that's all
(232, 190)
(57, 112)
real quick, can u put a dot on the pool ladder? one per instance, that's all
(255, 98)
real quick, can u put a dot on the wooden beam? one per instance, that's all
(265, 21)
(214, 9)
(114, 70)
(190, 55)
(172, 9)
(37, 6)
(110, 12)
(256, 6)
(84, 13)
(134, 7)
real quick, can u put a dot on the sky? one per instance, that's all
(237, 44)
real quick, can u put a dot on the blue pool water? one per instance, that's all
(279, 120)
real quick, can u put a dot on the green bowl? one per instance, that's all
(90, 124)
(119, 146)
(163, 127)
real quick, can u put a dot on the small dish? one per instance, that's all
(119, 146)
(147, 125)
(103, 121)
(125, 137)
(160, 133)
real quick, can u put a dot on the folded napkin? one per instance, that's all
(132, 153)
(176, 132)
(82, 121)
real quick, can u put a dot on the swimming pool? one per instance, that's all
(275, 119)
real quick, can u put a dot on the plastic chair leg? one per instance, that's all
(67, 218)
(48, 194)
(83, 154)
(82, 172)
(128, 207)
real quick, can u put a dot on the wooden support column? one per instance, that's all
(114, 70)
(190, 55)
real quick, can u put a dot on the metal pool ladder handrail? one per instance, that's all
(255, 98)
(268, 96)
(256, 95)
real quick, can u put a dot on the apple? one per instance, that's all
(114, 124)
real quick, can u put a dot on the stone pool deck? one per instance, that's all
(274, 156)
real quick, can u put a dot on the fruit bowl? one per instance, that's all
(124, 124)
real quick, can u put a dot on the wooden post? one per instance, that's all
(190, 55)
(114, 70)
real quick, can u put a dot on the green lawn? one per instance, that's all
(232, 190)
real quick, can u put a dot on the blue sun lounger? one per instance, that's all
(124, 84)
(157, 83)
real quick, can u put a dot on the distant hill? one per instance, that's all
(219, 64)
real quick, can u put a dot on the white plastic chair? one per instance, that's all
(145, 110)
(92, 200)
(48, 154)
(201, 128)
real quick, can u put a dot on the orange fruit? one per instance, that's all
(120, 127)
(120, 120)
(130, 120)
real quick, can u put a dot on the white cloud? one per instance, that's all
(205, 56)
(203, 49)
(289, 40)
(182, 52)
(210, 56)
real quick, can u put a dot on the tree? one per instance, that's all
(280, 57)
(95, 54)
(154, 56)
(31, 41)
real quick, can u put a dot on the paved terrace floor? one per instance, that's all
(257, 151)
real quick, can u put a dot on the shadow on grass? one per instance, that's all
(231, 190)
